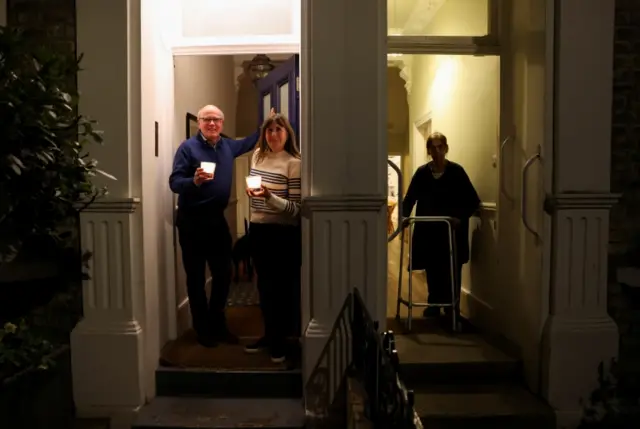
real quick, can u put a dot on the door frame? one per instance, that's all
(494, 44)
(226, 50)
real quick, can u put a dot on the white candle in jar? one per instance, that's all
(208, 167)
(254, 182)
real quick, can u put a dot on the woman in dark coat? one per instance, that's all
(440, 188)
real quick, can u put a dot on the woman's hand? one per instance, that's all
(263, 192)
(272, 112)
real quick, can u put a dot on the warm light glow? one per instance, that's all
(254, 182)
(208, 167)
(444, 84)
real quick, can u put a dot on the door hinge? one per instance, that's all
(298, 83)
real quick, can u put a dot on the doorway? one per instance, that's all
(458, 96)
(245, 94)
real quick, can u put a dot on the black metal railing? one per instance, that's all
(326, 392)
(357, 349)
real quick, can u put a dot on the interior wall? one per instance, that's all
(460, 96)
(398, 122)
(247, 123)
(223, 18)
(156, 106)
(202, 80)
(460, 18)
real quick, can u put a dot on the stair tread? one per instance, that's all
(278, 371)
(437, 348)
(224, 383)
(187, 413)
(474, 401)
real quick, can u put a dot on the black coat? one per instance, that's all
(453, 195)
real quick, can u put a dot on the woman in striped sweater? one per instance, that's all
(274, 234)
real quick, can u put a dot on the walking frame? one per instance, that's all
(409, 223)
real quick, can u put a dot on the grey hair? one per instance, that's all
(210, 106)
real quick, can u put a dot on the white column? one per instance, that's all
(579, 334)
(107, 345)
(344, 150)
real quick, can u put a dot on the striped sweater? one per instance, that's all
(280, 173)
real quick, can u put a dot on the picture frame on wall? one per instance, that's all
(191, 126)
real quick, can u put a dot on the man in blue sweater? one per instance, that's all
(203, 230)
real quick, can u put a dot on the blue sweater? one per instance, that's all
(212, 195)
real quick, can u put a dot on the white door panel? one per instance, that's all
(522, 223)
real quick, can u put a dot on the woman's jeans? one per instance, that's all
(276, 251)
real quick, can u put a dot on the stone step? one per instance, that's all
(440, 358)
(210, 413)
(481, 406)
(216, 383)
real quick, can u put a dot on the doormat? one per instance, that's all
(243, 294)
(246, 323)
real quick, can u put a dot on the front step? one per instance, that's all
(210, 413)
(214, 398)
(480, 407)
(441, 358)
(215, 383)
(462, 381)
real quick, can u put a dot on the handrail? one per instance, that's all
(356, 348)
(523, 193)
(399, 228)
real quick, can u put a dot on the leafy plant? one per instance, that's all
(604, 408)
(45, 170)
(20, 348)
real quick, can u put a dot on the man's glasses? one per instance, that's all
(212, 120)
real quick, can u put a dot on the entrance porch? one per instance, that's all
(561, 224)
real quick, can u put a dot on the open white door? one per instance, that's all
(522, 224)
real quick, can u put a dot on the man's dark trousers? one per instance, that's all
(205, 239)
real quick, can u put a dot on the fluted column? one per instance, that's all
(344, 151)
(579, 334)
(107, 347)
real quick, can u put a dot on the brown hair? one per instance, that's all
(290, 145)
(437, 136)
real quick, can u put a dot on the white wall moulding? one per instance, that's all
(446, 45)
(107, 345)
(403, 63)
(580, 200)
(112, 205)
(339, 203)
(238, 46)
(349, 241)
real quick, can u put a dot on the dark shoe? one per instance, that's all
(431, 312)
(207, 341)
(256, 346)
(277, 354)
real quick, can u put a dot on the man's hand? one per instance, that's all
(272, 113)
(201, 176)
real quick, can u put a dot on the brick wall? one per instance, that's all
(624, 248)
